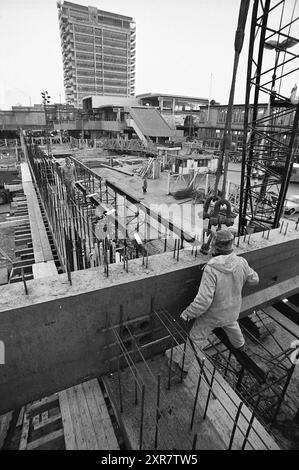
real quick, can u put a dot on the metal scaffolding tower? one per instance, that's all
(271, 131)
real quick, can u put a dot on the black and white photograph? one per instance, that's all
(149, 229)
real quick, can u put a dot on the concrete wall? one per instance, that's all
(16, 119)
(114, 126)
(59, 335)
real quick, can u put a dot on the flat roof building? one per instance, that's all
(172, 103)
(98, 51)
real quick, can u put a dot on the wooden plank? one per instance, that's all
(69, 434)
(111, 440)
(25, 432)
(45, 439)
(96, 417)
(47, 421)
(118, 414)
(4, 426)
(76, 419)
(46, 400)
(282, 320)
(86, 421)
(21, 416)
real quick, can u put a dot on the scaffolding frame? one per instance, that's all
(270, 140)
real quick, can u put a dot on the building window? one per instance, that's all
(83, 29)
(238, 115)
(167, 104)
(83, 38)
(222, 115)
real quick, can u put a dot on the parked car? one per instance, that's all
(256, 173)
(292, 205)
(295, 173)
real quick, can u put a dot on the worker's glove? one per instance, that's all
(184, 316)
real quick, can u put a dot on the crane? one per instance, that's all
(217, 216)
(270, 138)
(270, 135)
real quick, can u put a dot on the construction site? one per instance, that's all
(107, 226)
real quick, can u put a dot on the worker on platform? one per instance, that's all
(68, 177)
(218, 301)
(144, 187)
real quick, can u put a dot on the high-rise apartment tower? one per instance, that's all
(98, 50)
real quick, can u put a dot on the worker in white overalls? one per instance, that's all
(218, 301)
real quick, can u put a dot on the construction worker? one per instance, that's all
(68, 177)
(218, 301)
(144, 187)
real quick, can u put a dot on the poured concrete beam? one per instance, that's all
(55, 336)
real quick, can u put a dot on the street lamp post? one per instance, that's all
(46, 101)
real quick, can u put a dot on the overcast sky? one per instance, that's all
(183, 47)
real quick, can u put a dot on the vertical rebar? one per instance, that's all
(121, 320)
(170, 365)
(142, 417)
(134, 359)
(197, 391)
(157, 412)
(69, 275)
(124, 256)
(285, 232)
(281, 226)
(227, 363)
(209, 393)
(174, 250)
(268, 234)
(24, 282)
(106, 256)
(178, 251)
(119, 386)
(235, 426)
(194, 442)
(240, 378)
(250, 423)
(146, 265)
(296, 224)
(183, 363)
(280, 400)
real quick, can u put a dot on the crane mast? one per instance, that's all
(270, 145)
